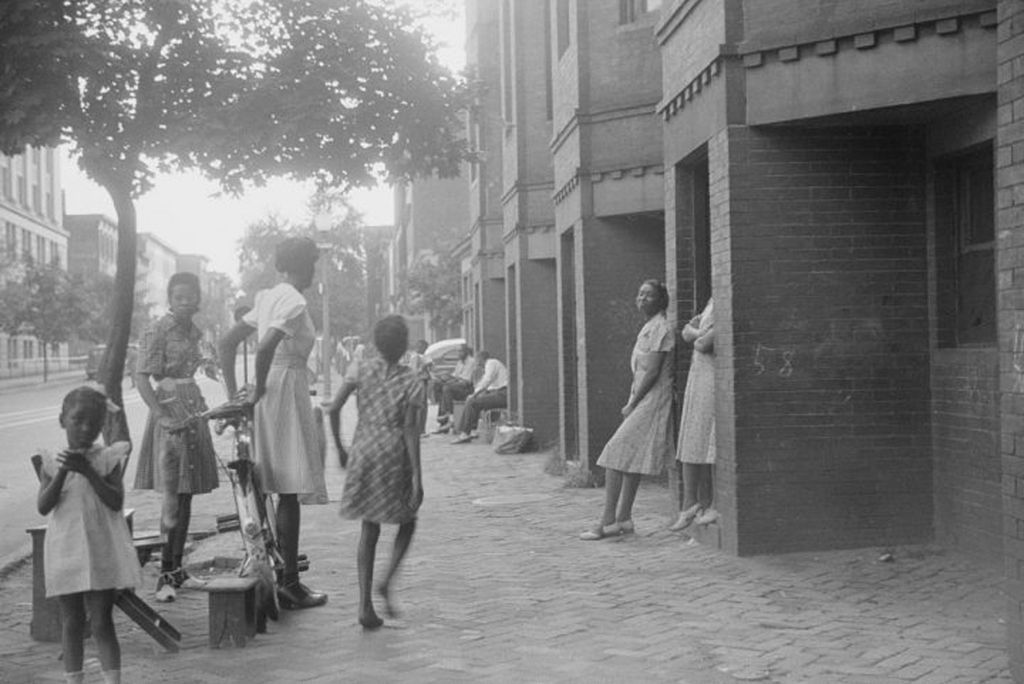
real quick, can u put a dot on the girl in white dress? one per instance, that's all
(88, 553)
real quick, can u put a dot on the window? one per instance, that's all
(49, 205)
(41, 249)
(37, 203)
(965, 248)
(21, 191)
(12, 349)
(10, 239)
(26, 243)
(562, 25)
(5, 180)
(27, 349)
(49, 160)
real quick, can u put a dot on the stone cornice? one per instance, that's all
(521, 187)
(671, 106)
(754, 53)
(580, 119)
(599, 175)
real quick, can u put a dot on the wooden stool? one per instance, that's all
(232, 609)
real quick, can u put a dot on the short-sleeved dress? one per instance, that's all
(379, 481)
(697, 424)
(287, 447)
(182, 461)
(88, 546)
(643, 442)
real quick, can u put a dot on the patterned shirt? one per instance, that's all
(169, 349)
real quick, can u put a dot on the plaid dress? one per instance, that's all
(378, 485)
(182, 461)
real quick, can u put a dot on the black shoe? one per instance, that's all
(296, 595)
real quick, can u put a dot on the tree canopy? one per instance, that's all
(240, 89)
(41, 300)
(433, 288)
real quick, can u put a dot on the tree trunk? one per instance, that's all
(116, 428)
(46, 373)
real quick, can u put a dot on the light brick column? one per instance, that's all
(1010, 279)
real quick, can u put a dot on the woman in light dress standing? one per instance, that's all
(643, 442)
(287, 446)
(697, 425)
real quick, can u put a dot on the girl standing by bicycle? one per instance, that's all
(384, 483)
(176, 456)
(88, 550)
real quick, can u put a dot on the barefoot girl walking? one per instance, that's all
(88, 552)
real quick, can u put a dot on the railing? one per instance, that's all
(23, 368)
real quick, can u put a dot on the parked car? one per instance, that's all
(94, 358)
(444, 354)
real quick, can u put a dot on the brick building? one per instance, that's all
(528, 224)
(92, 244)
(430, 217)
(481, 251)
(845, 180)
(608, 196)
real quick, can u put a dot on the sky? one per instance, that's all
(188, 212)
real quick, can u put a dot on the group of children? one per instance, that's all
(88, 554)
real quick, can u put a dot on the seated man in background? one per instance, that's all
(454, 386)
(491, 392)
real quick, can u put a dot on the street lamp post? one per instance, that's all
(322, 223)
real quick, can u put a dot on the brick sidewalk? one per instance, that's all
(497, 588)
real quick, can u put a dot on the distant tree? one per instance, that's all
(42, 302)
(432, 285)
(97, 293)
(240, 89)
(344, 259)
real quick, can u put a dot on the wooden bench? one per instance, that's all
(233, 611)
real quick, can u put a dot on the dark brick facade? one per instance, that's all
(820, 242)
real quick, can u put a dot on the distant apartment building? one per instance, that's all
(30, 212)
(215, 317)
(430, 217)
(92, 244)
(157, 262)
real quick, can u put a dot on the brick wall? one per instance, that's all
(826, 251)
(617, 255)
(965, 447)
(1009, 258)
(796, 21)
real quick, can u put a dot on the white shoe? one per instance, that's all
(709, 516)
(165, 592)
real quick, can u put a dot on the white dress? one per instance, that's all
(697, 424)
(88, 546)
(287, 447)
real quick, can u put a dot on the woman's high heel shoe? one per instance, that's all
(685, 519)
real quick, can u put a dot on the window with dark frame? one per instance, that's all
(965, 248)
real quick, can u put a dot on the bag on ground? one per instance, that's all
(512, 439)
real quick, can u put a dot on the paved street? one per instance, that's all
(498, 589)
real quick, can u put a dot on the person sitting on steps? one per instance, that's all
(491, 392)
(454, 386)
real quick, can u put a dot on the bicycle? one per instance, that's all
(255, 508)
